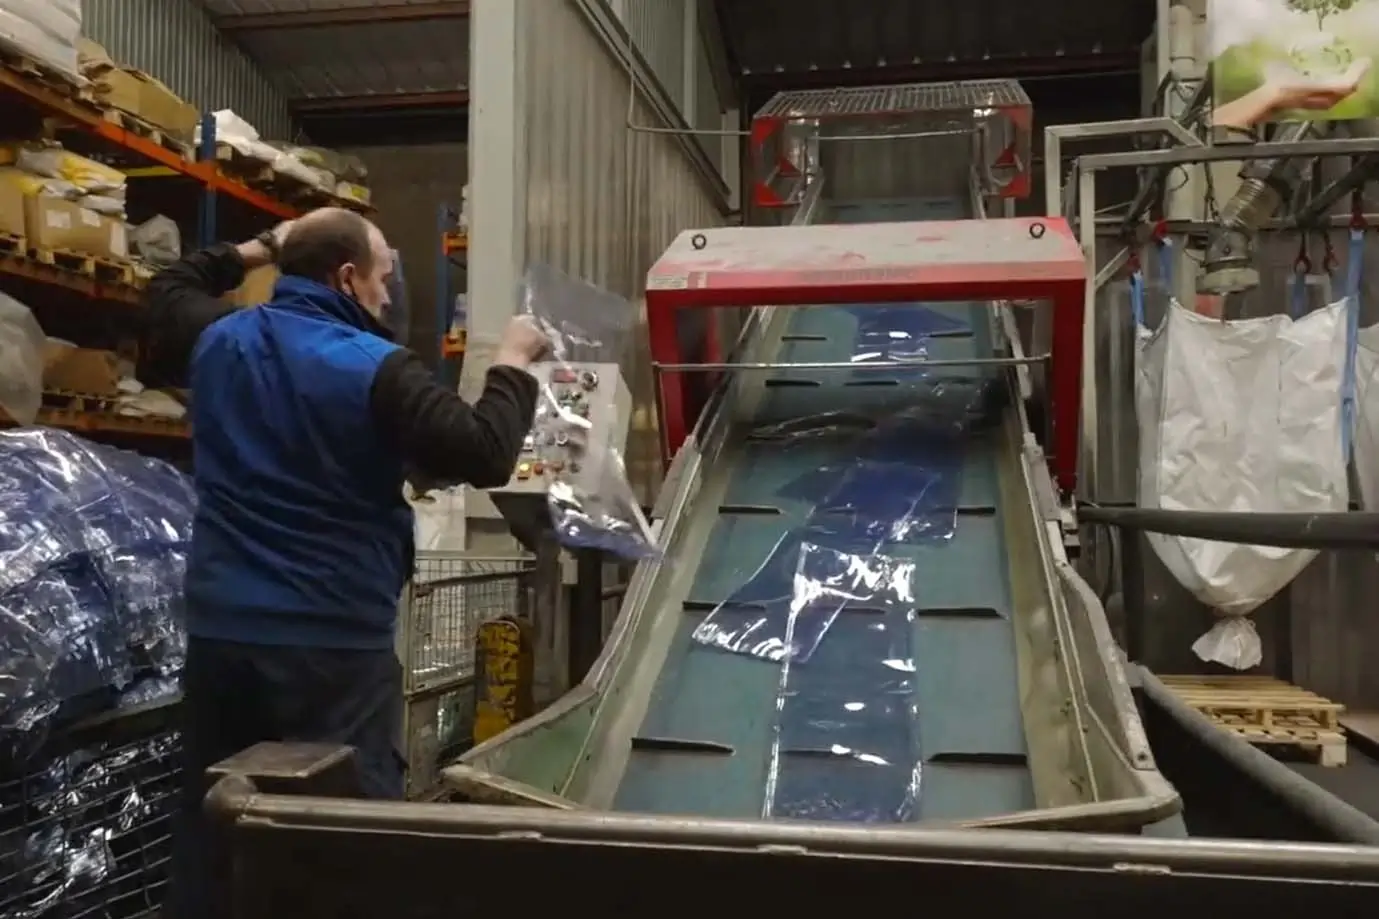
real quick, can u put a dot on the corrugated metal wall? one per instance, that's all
(409, 184)
(657, 28)
(602, 201)
(176, 42)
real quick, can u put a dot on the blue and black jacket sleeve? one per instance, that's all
(442, 437)
(182, 301)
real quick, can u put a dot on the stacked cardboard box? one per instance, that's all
(137, 93)
(59, 200)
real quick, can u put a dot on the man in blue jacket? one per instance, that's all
(306, 418)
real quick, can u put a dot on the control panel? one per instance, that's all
(581, 415)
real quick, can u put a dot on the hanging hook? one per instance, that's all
(1303, 263)
(1357, 209)
(1329, 261)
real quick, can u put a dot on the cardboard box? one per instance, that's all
(257, 288)
(12, 208)
(55, 223)
(81, 370)
(136, 92)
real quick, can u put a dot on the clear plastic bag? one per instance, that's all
(786, 607)
(888, 334)
(591, 500)
(846, 746)
(21, 361)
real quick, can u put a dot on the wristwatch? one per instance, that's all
(269, 240)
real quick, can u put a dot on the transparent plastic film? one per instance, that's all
(897, 333)
(21, 361)
(787, 606)
(904, 484)
(92, 555)
(583, 415)
(846, 746)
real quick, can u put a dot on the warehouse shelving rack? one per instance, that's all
(98, 299)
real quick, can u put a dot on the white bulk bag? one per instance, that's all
(1240, 415)
(1367, 417)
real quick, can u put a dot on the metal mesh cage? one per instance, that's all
(449, 596)
(918, 140)
(85, 828)
(895, 100)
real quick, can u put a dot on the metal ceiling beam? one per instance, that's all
(348, 16)
(992, 68)
(382, 102)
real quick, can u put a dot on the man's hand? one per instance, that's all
(523, 342)
(255, 254)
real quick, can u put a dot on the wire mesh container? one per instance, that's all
(893, 141)
(450, 595)
(86, 822)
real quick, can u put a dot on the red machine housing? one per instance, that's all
(1019, 258)
(799, 134)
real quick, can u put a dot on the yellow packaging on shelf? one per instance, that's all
(349, 191)
(52, 162)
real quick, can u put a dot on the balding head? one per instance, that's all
(342, 250)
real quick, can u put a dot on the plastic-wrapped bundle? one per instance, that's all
(92, 552)
(44, 30)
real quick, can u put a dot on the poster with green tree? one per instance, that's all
(1290, 60)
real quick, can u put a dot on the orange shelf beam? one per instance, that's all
(90, 119)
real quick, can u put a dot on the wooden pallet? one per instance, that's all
(42, 74)
(87, 413)
(261, 176)
(140, 128)
(1267, 712)
(109, 270)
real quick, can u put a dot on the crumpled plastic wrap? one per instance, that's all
(89, 829)
(21, 361)
(92, 556)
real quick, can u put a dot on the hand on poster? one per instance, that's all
(1293, 59)
(1284, 90)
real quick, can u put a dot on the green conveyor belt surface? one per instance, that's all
(965, 705)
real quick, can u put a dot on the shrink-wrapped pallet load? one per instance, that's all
(44, 31)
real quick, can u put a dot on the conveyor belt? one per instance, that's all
(965, 700)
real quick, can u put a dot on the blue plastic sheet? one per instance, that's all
(92, 552)
(779, 616)
(846, 747)
(901, 329)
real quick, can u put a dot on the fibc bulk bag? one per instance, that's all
(1239, 416)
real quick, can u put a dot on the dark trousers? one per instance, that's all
(236, 695)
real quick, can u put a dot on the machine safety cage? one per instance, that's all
(799, 135)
